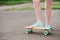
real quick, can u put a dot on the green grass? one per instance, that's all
(54, 7)
(14, 2)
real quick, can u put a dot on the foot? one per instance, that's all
(48, 26)
(37, 24)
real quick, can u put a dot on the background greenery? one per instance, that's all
(54, 7)
(13, 2)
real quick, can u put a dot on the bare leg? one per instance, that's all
(37, 7)
(38, 11)
(48, 4)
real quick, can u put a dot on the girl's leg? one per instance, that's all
(38, 11)
(48, 4)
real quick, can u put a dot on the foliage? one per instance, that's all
(13, 2)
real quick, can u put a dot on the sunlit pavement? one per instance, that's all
(12, 25)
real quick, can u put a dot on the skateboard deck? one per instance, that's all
(38, 28)
(29, 27)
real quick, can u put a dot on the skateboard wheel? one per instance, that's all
(46, 33)
(28, 31)
(49, 30)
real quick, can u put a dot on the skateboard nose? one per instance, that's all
(29, 27)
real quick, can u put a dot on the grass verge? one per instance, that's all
(54, 7)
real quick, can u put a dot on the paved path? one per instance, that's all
(12, 25)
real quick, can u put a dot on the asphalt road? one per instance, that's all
(12, 25)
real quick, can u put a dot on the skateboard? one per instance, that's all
(29, 30)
